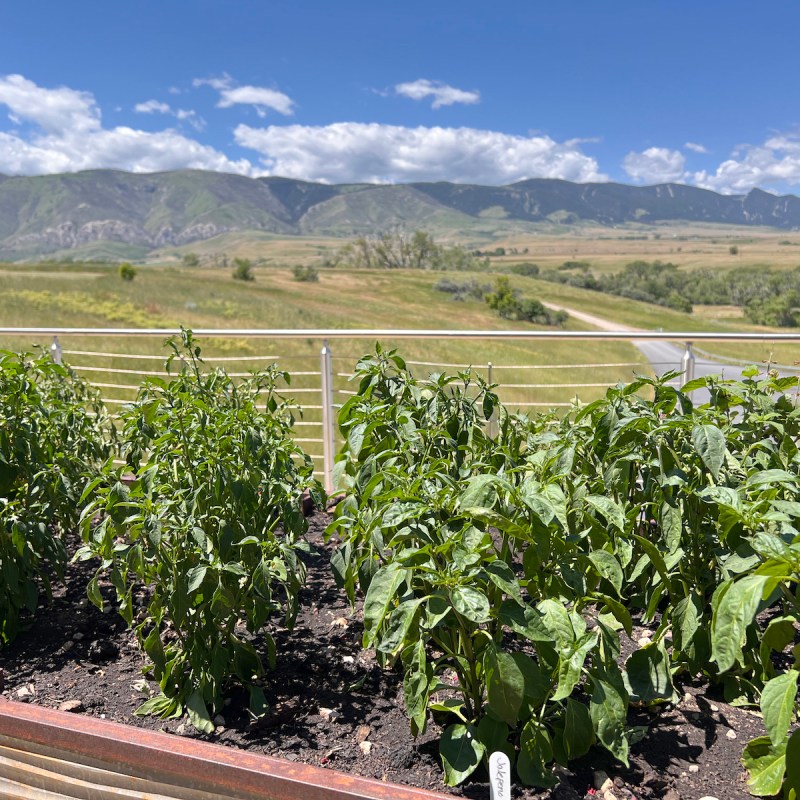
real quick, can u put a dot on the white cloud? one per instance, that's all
(260, 97)
(696, 148)
(774, 163)
(50, 109)
(350, 151)
(68, 136)
(183, 114)
(442, 94)
(655, 165)
(152, 107)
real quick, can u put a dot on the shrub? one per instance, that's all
(243, 269)
(526, 269)
(305, 274)
(127, 272)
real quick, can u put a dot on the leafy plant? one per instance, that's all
(54, 432)
(212, 520)
(443, 538)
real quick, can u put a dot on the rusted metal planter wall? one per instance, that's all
(49, 755)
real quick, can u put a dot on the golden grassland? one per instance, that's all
(691, 246)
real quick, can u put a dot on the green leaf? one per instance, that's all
(648, 675)
(505, 685)
(671, 525)
(535, 752)
(502, 576)
(611, 510)
(778, 705)
(685, 623)
(398, 624)
(537, 686)
(578, 734)
(461, 753)
(481, 491)
(398, 513)
(417, 678)
(656, 559)
(607, 567)
(791, 787)
(380, 597)
(525, 621)
(195, 577)
(470, 603)
(618, 610)
(766, 764)
(494, 735)
(570, 664)
(258, 702)
(608, 709)
(709, 441)
(737, 607)
(198, 713)
(557, 622)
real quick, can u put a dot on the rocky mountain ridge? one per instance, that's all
(53, 213)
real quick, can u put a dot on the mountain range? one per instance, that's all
(131, 214)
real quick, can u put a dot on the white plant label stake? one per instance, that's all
(499, 777)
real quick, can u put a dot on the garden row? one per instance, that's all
(499, 572)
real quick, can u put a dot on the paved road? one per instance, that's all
(663, 356)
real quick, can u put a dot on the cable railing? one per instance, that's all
(321, 382)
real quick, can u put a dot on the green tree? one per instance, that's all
(243, 269)
(503, 299)
(191, 260)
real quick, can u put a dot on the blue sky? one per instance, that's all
(637, 91)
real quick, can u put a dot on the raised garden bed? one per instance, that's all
(331, 706)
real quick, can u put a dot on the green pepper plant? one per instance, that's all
(211, 521)
(435, 529)
(54, 435)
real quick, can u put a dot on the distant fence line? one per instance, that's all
(323, 380)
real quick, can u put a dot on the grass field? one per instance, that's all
(88, 295)
(209, 298)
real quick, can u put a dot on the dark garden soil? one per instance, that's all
(332, 706)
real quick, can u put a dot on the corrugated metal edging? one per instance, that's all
(47, 754)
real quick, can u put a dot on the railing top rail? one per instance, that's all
(365, 333)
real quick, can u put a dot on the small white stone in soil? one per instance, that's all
(714, 708)
(365, 747)
(348, 659)
(708, 797)
(694, 768)
(730, 735)
(600, 778)
(328, 714)
(644, 641)
(607, 786)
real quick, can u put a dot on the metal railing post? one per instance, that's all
(492, 426)
(687, 363)
(56, 352)
(326, 370)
